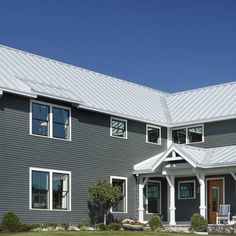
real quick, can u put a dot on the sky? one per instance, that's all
(170, 45)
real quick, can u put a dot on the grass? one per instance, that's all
(97, 233)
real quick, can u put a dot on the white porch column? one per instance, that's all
(140, 198)
(171, 182)
(202, 207)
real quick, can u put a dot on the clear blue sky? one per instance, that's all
(170, 45)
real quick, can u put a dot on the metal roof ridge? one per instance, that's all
(80, 68)
(200, 89)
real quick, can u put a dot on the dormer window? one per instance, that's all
(187, 135)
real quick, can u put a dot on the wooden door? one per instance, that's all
(215, 198)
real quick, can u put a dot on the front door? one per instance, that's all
(215, 198)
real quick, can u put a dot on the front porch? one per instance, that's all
(185, 186)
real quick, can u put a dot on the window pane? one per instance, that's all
(186, 190)
(179, 136)
(60, 123)
(60, 191)
(195, 134)
(118, 128)
(153, 135)
(154, 203)
(120, 206)
(40, 190)
(40, 116)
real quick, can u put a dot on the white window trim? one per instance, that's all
(50, 171)
(126, 193)
(155, 127)
(50, 129)
(194, 189)
(186, 128)
(126, 127)
(152, 181)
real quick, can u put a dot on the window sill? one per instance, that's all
(118, 137)
(51, 210)
(159, 144)
(47, 137)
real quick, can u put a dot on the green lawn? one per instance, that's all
(86, 233)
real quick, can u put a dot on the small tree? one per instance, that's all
(103, 196)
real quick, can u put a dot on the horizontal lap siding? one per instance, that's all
(92, 154)
(220, 133)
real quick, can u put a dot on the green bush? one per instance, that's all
(155, 222)
(198, 223)
(101, 227)
(114, 226)
(10, 222)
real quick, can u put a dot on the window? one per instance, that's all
(121, 182)
(50, 121)
(49, 189)
(118, 128)
(153, 193)
(188, 135)
(186, 189)
(153, 134)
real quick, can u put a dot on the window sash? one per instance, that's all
(118, 128)
(153, 134)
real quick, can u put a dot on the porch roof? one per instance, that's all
(197, 157)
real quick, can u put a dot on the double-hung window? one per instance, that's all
(153, 134)
(118, 128)
(50, 120)
(50, 189)
(153, 199)
(187, 135)
(121, 182)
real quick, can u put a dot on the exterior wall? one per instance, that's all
(220, 133)
(186, 207)
(92, 154)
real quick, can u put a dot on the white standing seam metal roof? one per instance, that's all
(197, 157)
(34, 75)
(31, 75)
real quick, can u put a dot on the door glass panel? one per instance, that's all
(215, 198)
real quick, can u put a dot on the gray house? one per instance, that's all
(64, 127)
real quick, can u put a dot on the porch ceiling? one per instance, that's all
(205, 158)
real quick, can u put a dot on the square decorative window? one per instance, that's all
(179, 136)
(186, 189)
(49, 189)
(195, 134)
(121, 182)
(118, 128)
(153, 134)
(50, 121)
(153, 193)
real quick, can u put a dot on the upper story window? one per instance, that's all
(188, 135)
(50, 120)
(153, 134)
(50, 189)
(118, 128)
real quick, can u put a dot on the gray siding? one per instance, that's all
(92, 154)
(220, 133)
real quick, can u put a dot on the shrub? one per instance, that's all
(155, 222)
(114, 226)
(65, 225)
(10, 222)
(101, 227)
(198, 223)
